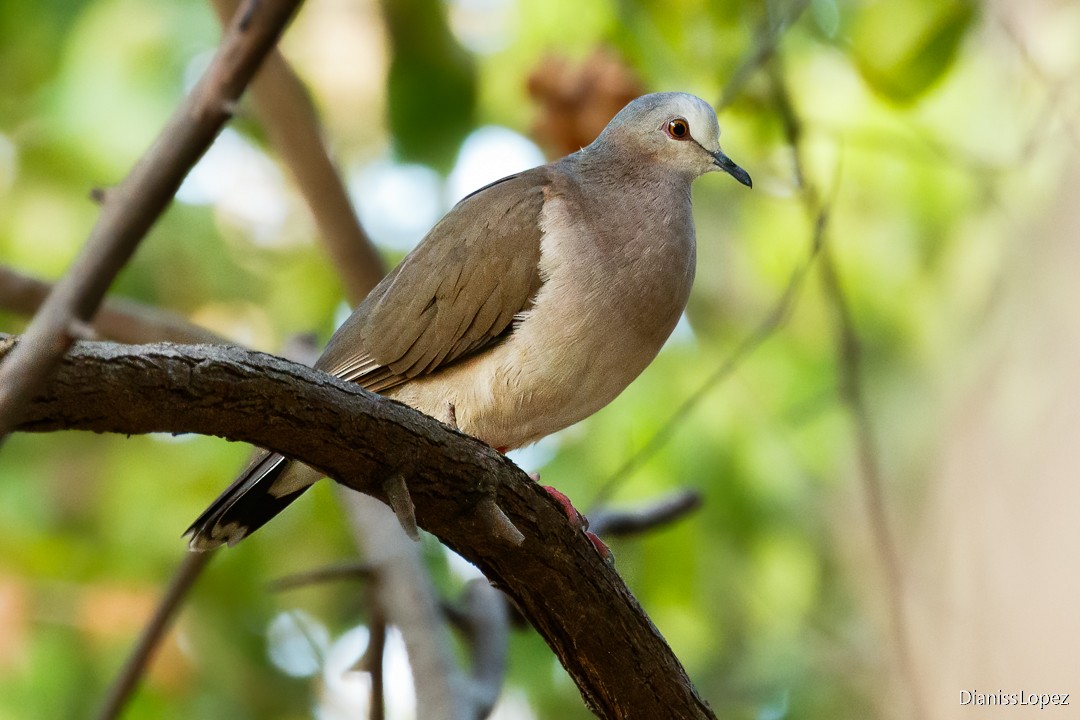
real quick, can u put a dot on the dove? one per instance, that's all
(530, 305)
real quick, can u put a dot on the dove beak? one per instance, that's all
(724, 163)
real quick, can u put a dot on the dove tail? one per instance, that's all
(263, 490)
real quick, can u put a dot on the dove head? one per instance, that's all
(671, 130)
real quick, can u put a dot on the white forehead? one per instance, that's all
(699, 114)
(650, 113)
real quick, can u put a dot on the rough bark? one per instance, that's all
(620, 662)
(131, 208)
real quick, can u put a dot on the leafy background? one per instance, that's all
(937, 140)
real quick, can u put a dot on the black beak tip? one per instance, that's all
(723, 162)
(742, 176)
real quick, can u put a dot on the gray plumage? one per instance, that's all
(530, 305)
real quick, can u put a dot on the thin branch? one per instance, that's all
(486, 623)
(124, 685)
(376, 662)
(132, 207)
(849, 373)
(1057, 88)
(580, 606)
(655, 514)
(290, 120)
(345, 571)
(118, 319)
(769, 35)
(403, 595)
(772, 322)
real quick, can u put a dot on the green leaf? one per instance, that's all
(431, 85)
(903, 47)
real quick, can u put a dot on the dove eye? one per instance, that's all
(678, 129)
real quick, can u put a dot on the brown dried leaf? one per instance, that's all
(576, 103)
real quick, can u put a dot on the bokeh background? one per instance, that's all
(876, 386)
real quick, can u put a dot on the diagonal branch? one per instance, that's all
(486, 623)
(770, 33)
(132, 207)
(118, 319)
(620, 662)
(164, 615)
(769, 325)
(850, 391)
(655, 514)
(289, 117)
(402, 592)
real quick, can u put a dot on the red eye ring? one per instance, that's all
(678, 129)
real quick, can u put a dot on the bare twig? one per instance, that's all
(849, 372)
(376, 661)
(618, 659)
(152, 634)
(765, 330)
(1057, 87)
(344, 571)
(402, 595)
(133, 206)
(118, 319)
(655, 514)
(289, 117)
(486, 623)
(769, 35)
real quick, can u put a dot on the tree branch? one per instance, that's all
(402, 593)
(118, 319)
(849, 374)
(655, 514)
(164, 615)
(768, 326)
(620, 662)
(289, 117)
(132, 207)
(486, 624)
(769, 34)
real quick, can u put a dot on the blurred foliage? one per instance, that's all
(903, 59)
(431, 85)
(928, 128)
